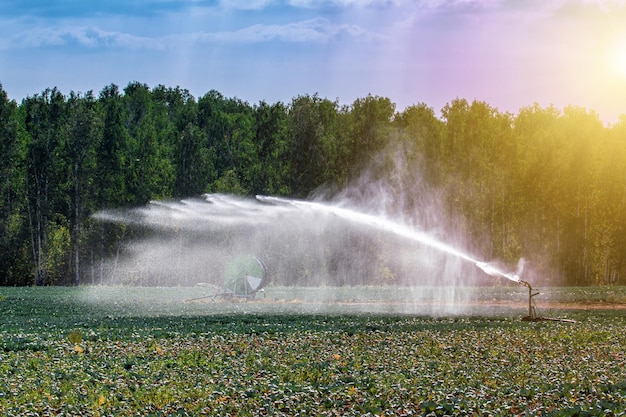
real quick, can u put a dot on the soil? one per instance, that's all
(558, 305)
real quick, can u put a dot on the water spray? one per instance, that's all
(237, 224)
(400, 230)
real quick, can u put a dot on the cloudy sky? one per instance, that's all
(509, 53)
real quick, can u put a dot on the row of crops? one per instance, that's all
(63, 356)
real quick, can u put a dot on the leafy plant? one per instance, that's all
(202, 362)
(75, 337)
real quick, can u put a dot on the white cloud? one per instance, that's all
(86, 36)
(313, 4)
(313, 30)
(246, 4)
(347, 3)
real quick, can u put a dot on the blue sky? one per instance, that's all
(509, 53)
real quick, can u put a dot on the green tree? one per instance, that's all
(194, 162)
(13, 222)
(421, 144)
(478, 153)
(535, 186)
(272, 170)
(315, 149)
(45, 124)
(614, 177)
(370, 130)
(150, 171)
(191, 158)
(546, 184)
(229, 128)
(424, 133)
(112, 152)
(82, 139)
(587, 208)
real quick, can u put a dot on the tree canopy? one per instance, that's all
(545, 183)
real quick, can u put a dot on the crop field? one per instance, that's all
(117, 351)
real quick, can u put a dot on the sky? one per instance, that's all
(508, 53)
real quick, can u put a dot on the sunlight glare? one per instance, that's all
(619, 58)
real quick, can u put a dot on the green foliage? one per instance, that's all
(112, 151)
(273, 167)
(58, 248)
(13, 220)
(75, 337)
(142, 351)
(545, 184)
(317, 145)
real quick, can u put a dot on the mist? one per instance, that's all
(381, 230)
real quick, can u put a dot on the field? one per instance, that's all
(157, 351)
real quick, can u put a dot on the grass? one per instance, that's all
(145, 351)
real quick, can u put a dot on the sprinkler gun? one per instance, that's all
(532, 314)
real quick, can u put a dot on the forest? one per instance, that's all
(547, 184)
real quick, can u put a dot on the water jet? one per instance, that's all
(300, 239)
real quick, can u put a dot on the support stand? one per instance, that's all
(532, 312)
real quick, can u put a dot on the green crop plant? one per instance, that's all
(176, 359)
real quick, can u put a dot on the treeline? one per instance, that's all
(546, 184)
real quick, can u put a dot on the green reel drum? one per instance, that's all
(244, 276)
